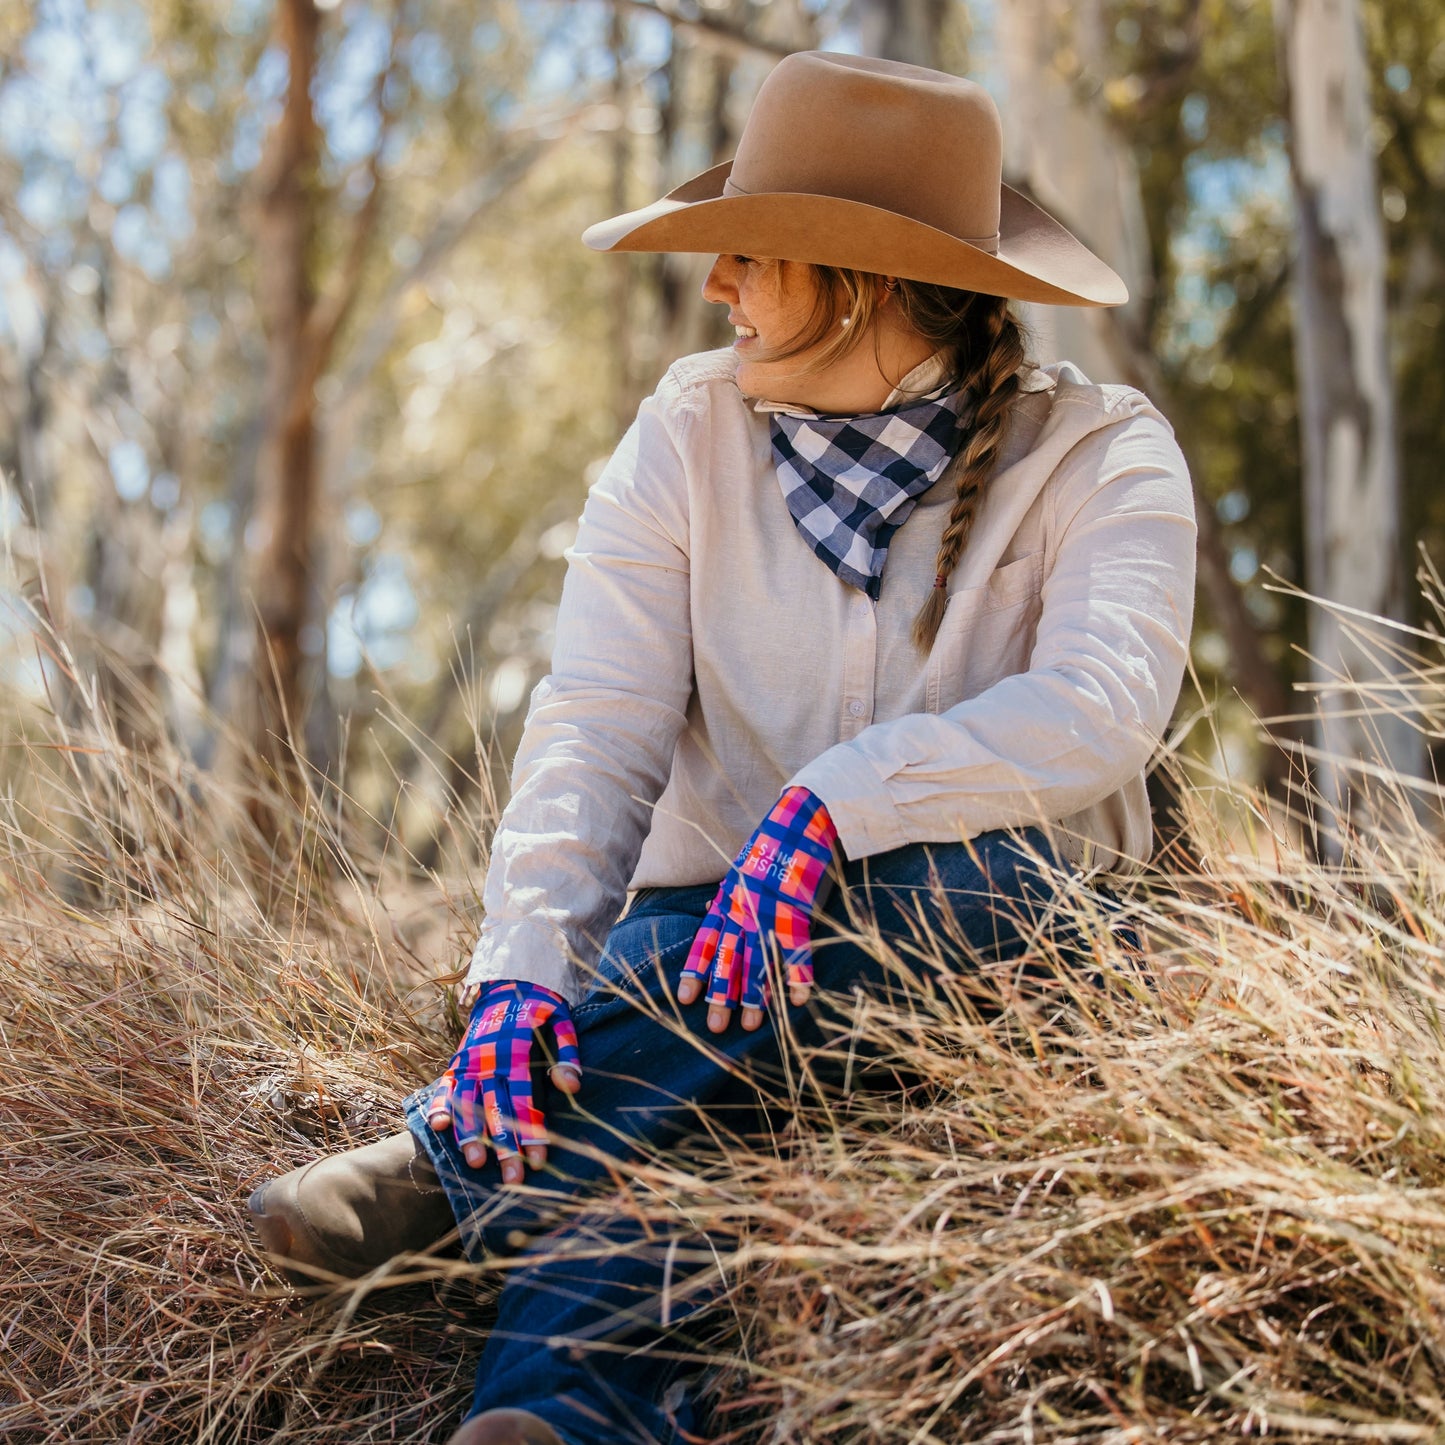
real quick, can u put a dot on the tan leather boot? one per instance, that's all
(348, 1213)
(506, 1427)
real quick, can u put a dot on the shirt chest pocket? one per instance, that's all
(987, 633)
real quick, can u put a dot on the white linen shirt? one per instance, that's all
(705, 659)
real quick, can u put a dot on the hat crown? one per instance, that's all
(875, 166)
(908, 140)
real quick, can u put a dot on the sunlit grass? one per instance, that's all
(1198, 1198)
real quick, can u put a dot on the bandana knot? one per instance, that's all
(851, 481)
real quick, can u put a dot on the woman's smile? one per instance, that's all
(771, 305)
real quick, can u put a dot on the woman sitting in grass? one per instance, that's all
(867, 618)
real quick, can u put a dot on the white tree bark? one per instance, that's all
(1059, 146)
(905, 30)
(1353, 554)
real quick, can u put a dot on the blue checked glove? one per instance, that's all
(766, 902)
(494, 1061)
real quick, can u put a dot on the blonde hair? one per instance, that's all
(988, 350)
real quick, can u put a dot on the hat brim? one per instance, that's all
(1037, 259)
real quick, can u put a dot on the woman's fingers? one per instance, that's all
(800, 975)
(470, 1124)
(439, 1108)
(486, 1096)
(726, 961)
(531, 1125)
(501, 1129)
(700, 958)
(454, 1106)
(755, 981)
(727, 978)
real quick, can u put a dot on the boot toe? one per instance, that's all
(348, 1213)
(272, 1227)
(286, 1235)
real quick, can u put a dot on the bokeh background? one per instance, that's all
(303, 370)
(303, 375)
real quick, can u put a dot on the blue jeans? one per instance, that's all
(580, 1338)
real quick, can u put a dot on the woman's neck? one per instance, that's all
(863, 380)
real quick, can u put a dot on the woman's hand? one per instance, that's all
(494, 1060)
(766, 899)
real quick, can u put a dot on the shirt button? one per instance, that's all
(855, 708)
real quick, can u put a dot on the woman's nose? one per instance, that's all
(720, 285)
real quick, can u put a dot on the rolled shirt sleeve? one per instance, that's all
(603, 725)
(661, 736)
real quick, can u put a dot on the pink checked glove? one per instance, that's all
(494, 1060)
(765, 902)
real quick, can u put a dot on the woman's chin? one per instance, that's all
(757, 381)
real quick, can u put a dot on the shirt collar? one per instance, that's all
(931, 374)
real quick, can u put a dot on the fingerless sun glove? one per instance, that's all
(494, 1062)
(766, 900)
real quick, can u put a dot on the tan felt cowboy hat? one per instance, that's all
(877, 166)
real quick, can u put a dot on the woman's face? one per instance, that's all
(770, 303)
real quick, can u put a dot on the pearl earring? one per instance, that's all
(845, 321)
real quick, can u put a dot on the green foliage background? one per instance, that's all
(490, 361)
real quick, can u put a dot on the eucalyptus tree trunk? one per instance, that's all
(699, 82)
(624, 402)
(906, 30)
(1353, 553)
(1061, 149)
(286, 472)
(302, 323)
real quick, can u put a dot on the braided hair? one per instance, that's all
(988, 350)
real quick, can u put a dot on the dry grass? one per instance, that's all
(177, 1023)
(1207, 1206)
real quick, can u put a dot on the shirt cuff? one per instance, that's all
(857, 800)
(527, 950)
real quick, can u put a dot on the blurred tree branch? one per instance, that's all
(329, 314)
(451, 226)
(736, 40)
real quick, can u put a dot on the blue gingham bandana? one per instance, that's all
(851, 481)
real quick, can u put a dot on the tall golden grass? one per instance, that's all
(1204, 1199)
